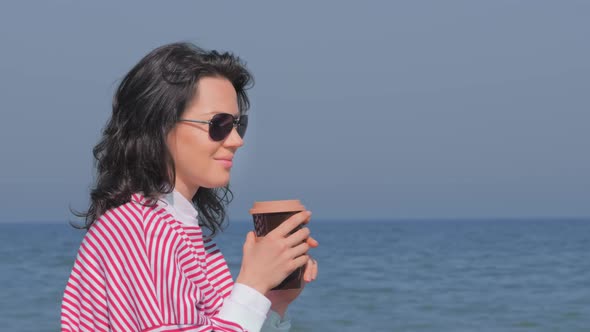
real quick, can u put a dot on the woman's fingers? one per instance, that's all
(298, 237)
(307, 273)
(298, 250)
(290, 224)
(312, 242)
(300, 261)
(311, 270)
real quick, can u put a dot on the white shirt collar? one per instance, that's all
(181, 208)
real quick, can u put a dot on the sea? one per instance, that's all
(414, 276)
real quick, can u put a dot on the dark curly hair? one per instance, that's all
(132, 155)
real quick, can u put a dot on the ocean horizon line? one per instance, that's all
(360, 220)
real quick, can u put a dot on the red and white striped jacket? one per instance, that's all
(140, 269)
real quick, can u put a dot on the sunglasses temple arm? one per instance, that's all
(195, 121)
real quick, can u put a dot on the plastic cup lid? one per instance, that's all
(291, 205)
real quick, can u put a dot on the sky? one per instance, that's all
(363, 110)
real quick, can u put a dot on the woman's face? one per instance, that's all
(200, 161)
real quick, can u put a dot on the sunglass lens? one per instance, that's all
(243, 124)
(221, 126)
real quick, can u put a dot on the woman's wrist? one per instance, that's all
(258, 287)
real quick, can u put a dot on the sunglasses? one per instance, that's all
(221, 125)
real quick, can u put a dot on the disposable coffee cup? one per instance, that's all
(269, 215)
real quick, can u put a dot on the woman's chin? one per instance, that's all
(222, 182)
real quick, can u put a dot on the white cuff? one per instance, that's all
(246, 307)
(273, 323)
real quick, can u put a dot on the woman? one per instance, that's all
(163, 167)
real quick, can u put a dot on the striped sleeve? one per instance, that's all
(134, 272)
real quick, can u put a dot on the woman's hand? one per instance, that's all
(281, 299)
(268, 260)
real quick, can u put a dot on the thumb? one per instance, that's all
(250, 240)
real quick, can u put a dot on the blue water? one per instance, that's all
(374, 276)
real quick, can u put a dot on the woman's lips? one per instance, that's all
(225, 162)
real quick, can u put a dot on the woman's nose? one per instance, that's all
(234, 139)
